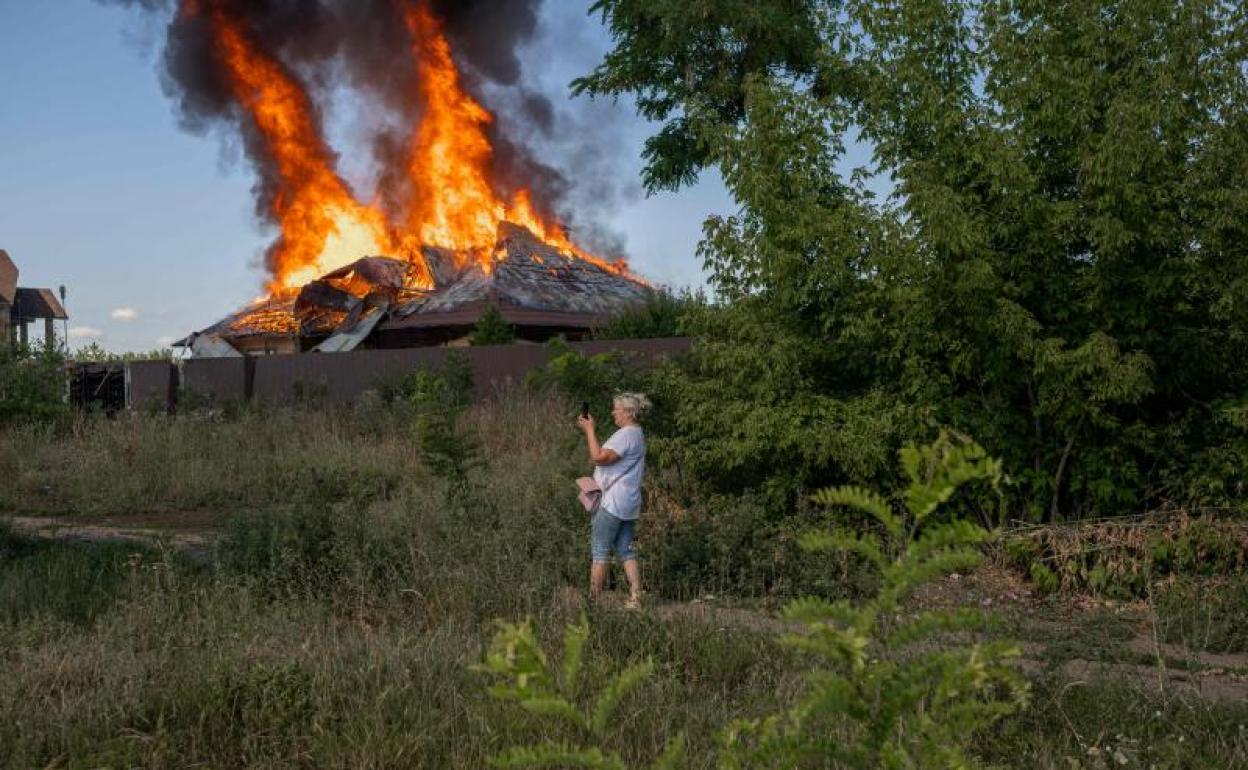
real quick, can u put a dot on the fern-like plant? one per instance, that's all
(891, 689)
(526, 676)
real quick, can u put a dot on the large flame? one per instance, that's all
(452, 202)
(322, 225)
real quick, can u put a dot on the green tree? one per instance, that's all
(659, 316)
(438, 398)
(32, 384)
(491, 329)
(1061, 268)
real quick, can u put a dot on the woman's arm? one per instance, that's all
(597, 455)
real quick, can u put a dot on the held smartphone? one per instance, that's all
(584, 408)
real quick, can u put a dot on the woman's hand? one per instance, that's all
(585, 423)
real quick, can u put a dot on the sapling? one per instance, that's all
(889, 688)
(525, 675)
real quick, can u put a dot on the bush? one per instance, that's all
(1205, 615)
(32, 384)
(578, 377)
(889, 689)
(733, 546)
(1121, 559)
(523, 674)
(662, 315)
(491, 329)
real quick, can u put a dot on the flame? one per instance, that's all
(453, 203)
(323, 226)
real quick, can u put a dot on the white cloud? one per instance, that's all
(125, 314)
(165, 341)
(84, 332)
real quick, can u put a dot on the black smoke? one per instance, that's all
(364, 46)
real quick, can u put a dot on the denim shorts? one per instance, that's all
(606, 532)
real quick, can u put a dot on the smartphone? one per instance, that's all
(584, 408)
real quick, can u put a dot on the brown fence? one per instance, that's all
(341, 377)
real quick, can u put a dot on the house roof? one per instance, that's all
(529, 281)
(8, 278)
(32, 304)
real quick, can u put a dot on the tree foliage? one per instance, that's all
(438, 398)
(1060, 269)
(659, 316)
(33, 384)
(492, 329)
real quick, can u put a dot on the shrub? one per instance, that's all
(1121, 558)
(1206, 615)
(491, 329)
(889, 690)
(32, 384)
(437, 398)
(527, 677)
(662, 315)
(575, 375)
(733, 545)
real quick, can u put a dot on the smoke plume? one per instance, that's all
(364, 46)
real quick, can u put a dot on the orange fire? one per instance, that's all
(453, 203)
(323, 225)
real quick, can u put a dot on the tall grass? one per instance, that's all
(352, 589)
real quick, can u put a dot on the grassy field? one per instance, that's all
(349, 590)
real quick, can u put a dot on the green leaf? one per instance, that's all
(554, 707)
(620, 686)
(574, 637)
(865, 500)
(865, 545)
(673, 754)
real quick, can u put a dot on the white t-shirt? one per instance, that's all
(623, 497)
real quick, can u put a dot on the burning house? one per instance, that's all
(381, 302)
(459, 217)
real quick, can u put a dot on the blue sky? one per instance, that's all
(152, 229)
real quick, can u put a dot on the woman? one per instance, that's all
(620, 465)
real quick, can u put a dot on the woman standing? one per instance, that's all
(620, 464)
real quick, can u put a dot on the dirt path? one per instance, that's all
(1080, 639)
(192, 534)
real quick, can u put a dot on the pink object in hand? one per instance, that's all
(589, 493)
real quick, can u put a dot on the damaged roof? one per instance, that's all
(529, 281)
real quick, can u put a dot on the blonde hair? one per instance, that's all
(635, 404)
